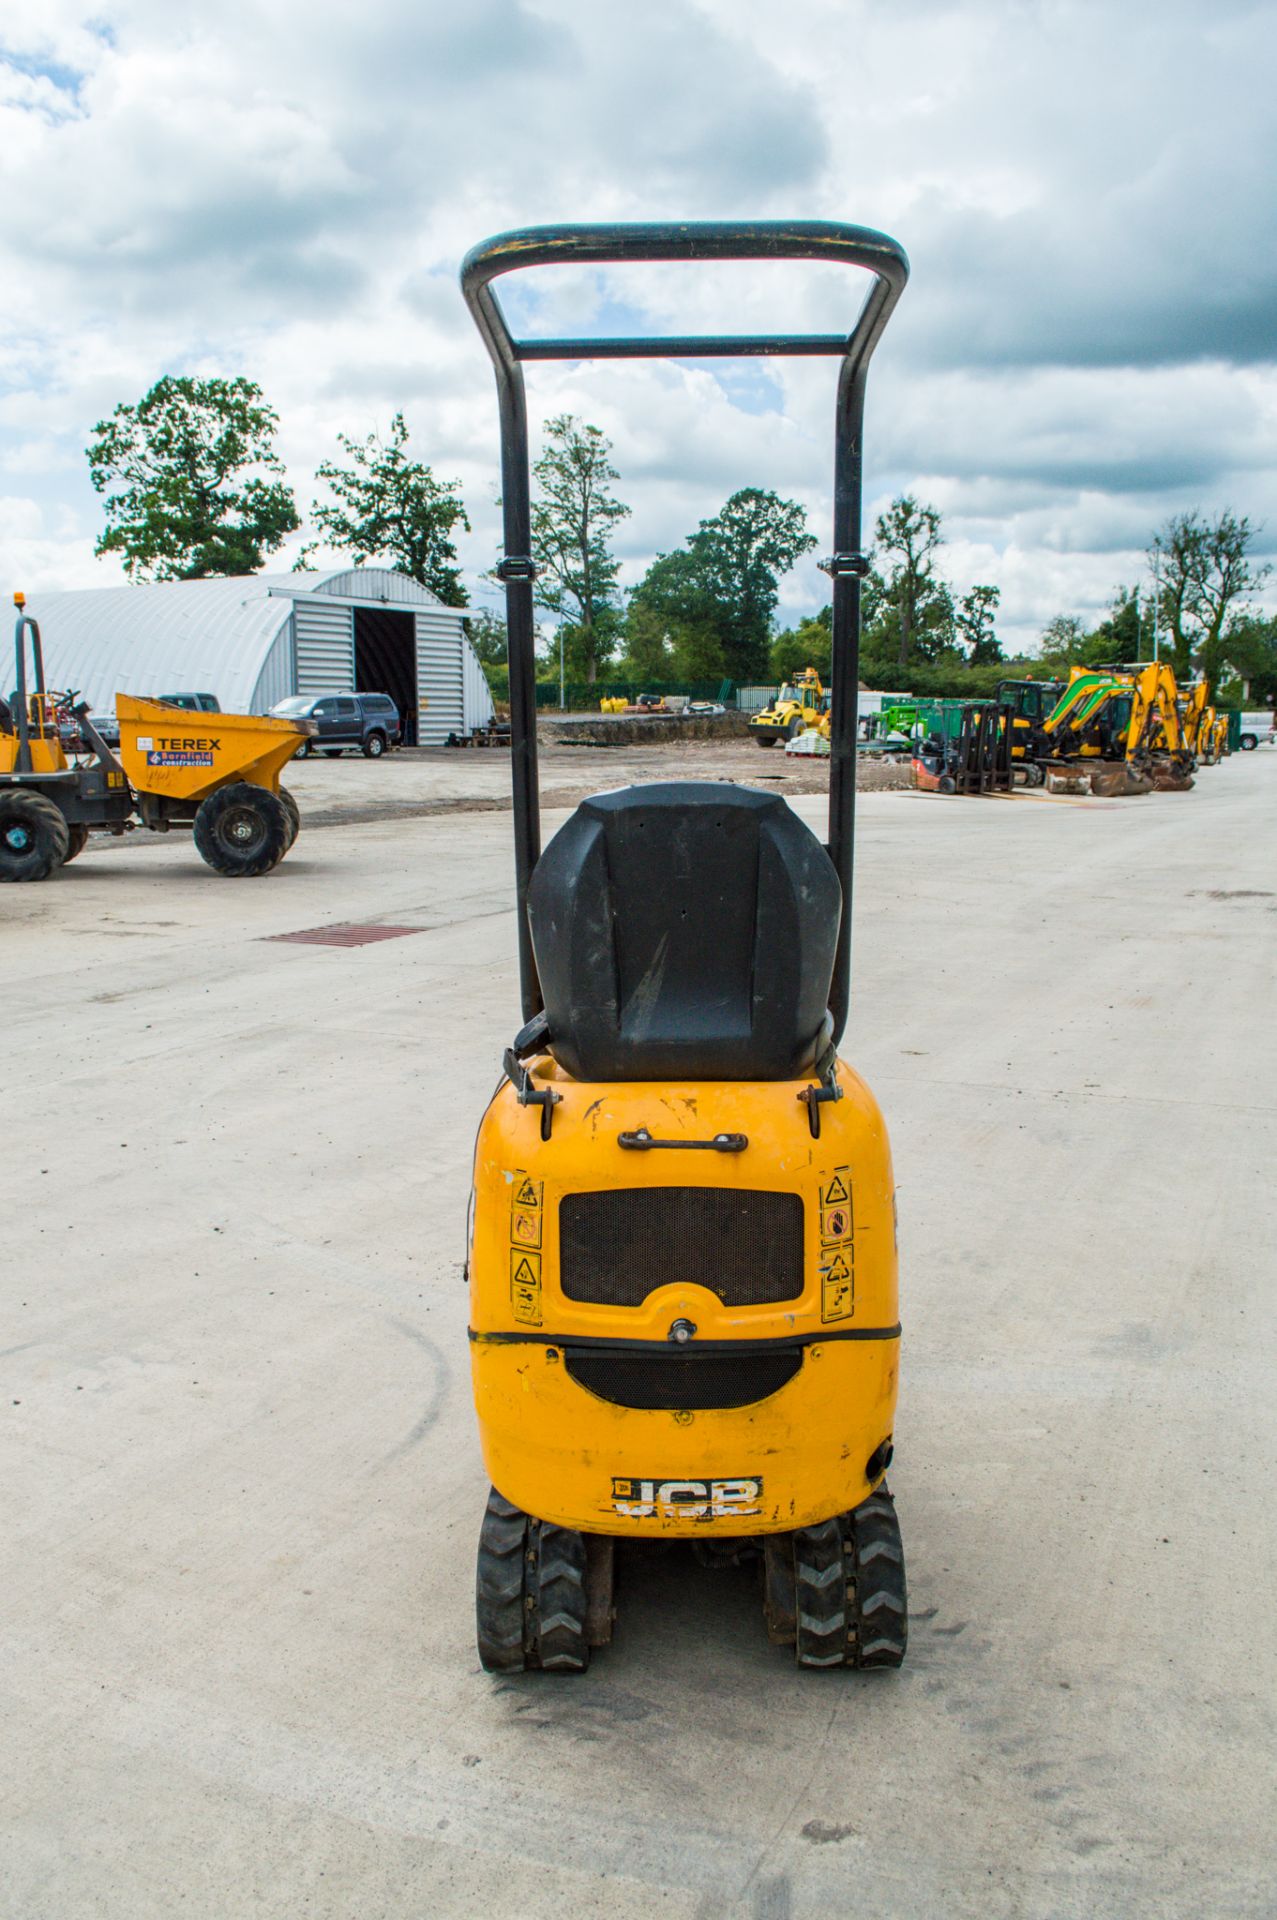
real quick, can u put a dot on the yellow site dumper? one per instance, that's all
(217, 773)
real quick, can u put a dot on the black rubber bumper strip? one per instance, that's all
(601, 1344)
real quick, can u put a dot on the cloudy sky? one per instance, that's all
(1088, 342)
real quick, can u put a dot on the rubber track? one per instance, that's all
(876, 1564)
(820, 1589)
(499, 1586)
(558, 1619)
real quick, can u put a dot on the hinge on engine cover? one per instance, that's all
(531, 1039)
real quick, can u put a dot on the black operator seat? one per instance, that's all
(685, 932)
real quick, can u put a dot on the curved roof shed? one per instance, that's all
(252, 641)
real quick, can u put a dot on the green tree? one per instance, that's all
(1205, 573)
(182, 501)
(974, 622)
(718, 592)
(908, 537)
(573, 515)
(676, 598)
(1249, 664)
(648, 654)
(488, 637)
(1063, 639)
(390, 507)
(809, 644)
(1125, 635)
(741, 554)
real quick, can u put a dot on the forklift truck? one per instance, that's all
(682, 1250)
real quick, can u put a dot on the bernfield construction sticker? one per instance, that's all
(526, 1214)
(837, 1256)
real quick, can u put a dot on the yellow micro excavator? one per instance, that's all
(682, 1251)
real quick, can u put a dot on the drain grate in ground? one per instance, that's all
(346, 933)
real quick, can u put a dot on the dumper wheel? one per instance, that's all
(767, 740)
(34, 839)
(530, 1602)
(78, 835)
(294, 813)
(851, 1606)
(242, 830)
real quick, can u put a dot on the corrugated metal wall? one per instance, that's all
(324, 646)
(275, 681)
(440, 676)
(476, 692)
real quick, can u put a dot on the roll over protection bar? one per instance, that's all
(692, 241)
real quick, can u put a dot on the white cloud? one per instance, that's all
(286, 191)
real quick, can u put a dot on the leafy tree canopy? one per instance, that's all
(809, 644)
(181, 500)
(906, 603)
(1204, 572)
(974, 623)
(489, 638)
(715, 596)
(389, 507)
(573, 515)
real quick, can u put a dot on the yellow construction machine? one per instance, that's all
(800, 703)
(215, 773)
(682, 1249)
(1120, 727)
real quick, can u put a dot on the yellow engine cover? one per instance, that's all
(559, 1449)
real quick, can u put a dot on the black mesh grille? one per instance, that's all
(615, 1247)
(679, 1379)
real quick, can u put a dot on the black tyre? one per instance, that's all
(78, 836)
(242, 830)
(766, 739)
(304, 751)
(793, 728)
(1248, 742)
(293, 811)
(947, 783)
(34, 840)
(374, 746)
(530, 1601)
(851, 1603)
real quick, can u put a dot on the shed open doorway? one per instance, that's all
(386, 661)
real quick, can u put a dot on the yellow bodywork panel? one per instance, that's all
(565, 1454)
(46, 753)
(184, 755)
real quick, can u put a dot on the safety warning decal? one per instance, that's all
(525, 1286)
(837, 1189)
(837, 1256)
(526, 1214)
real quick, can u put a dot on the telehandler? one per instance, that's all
(215, 773)
(682, 1250)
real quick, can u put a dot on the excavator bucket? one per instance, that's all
(1170, 777)
(1117, 780)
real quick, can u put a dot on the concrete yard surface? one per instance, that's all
(241, 1478)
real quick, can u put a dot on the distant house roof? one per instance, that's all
(178, 636)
